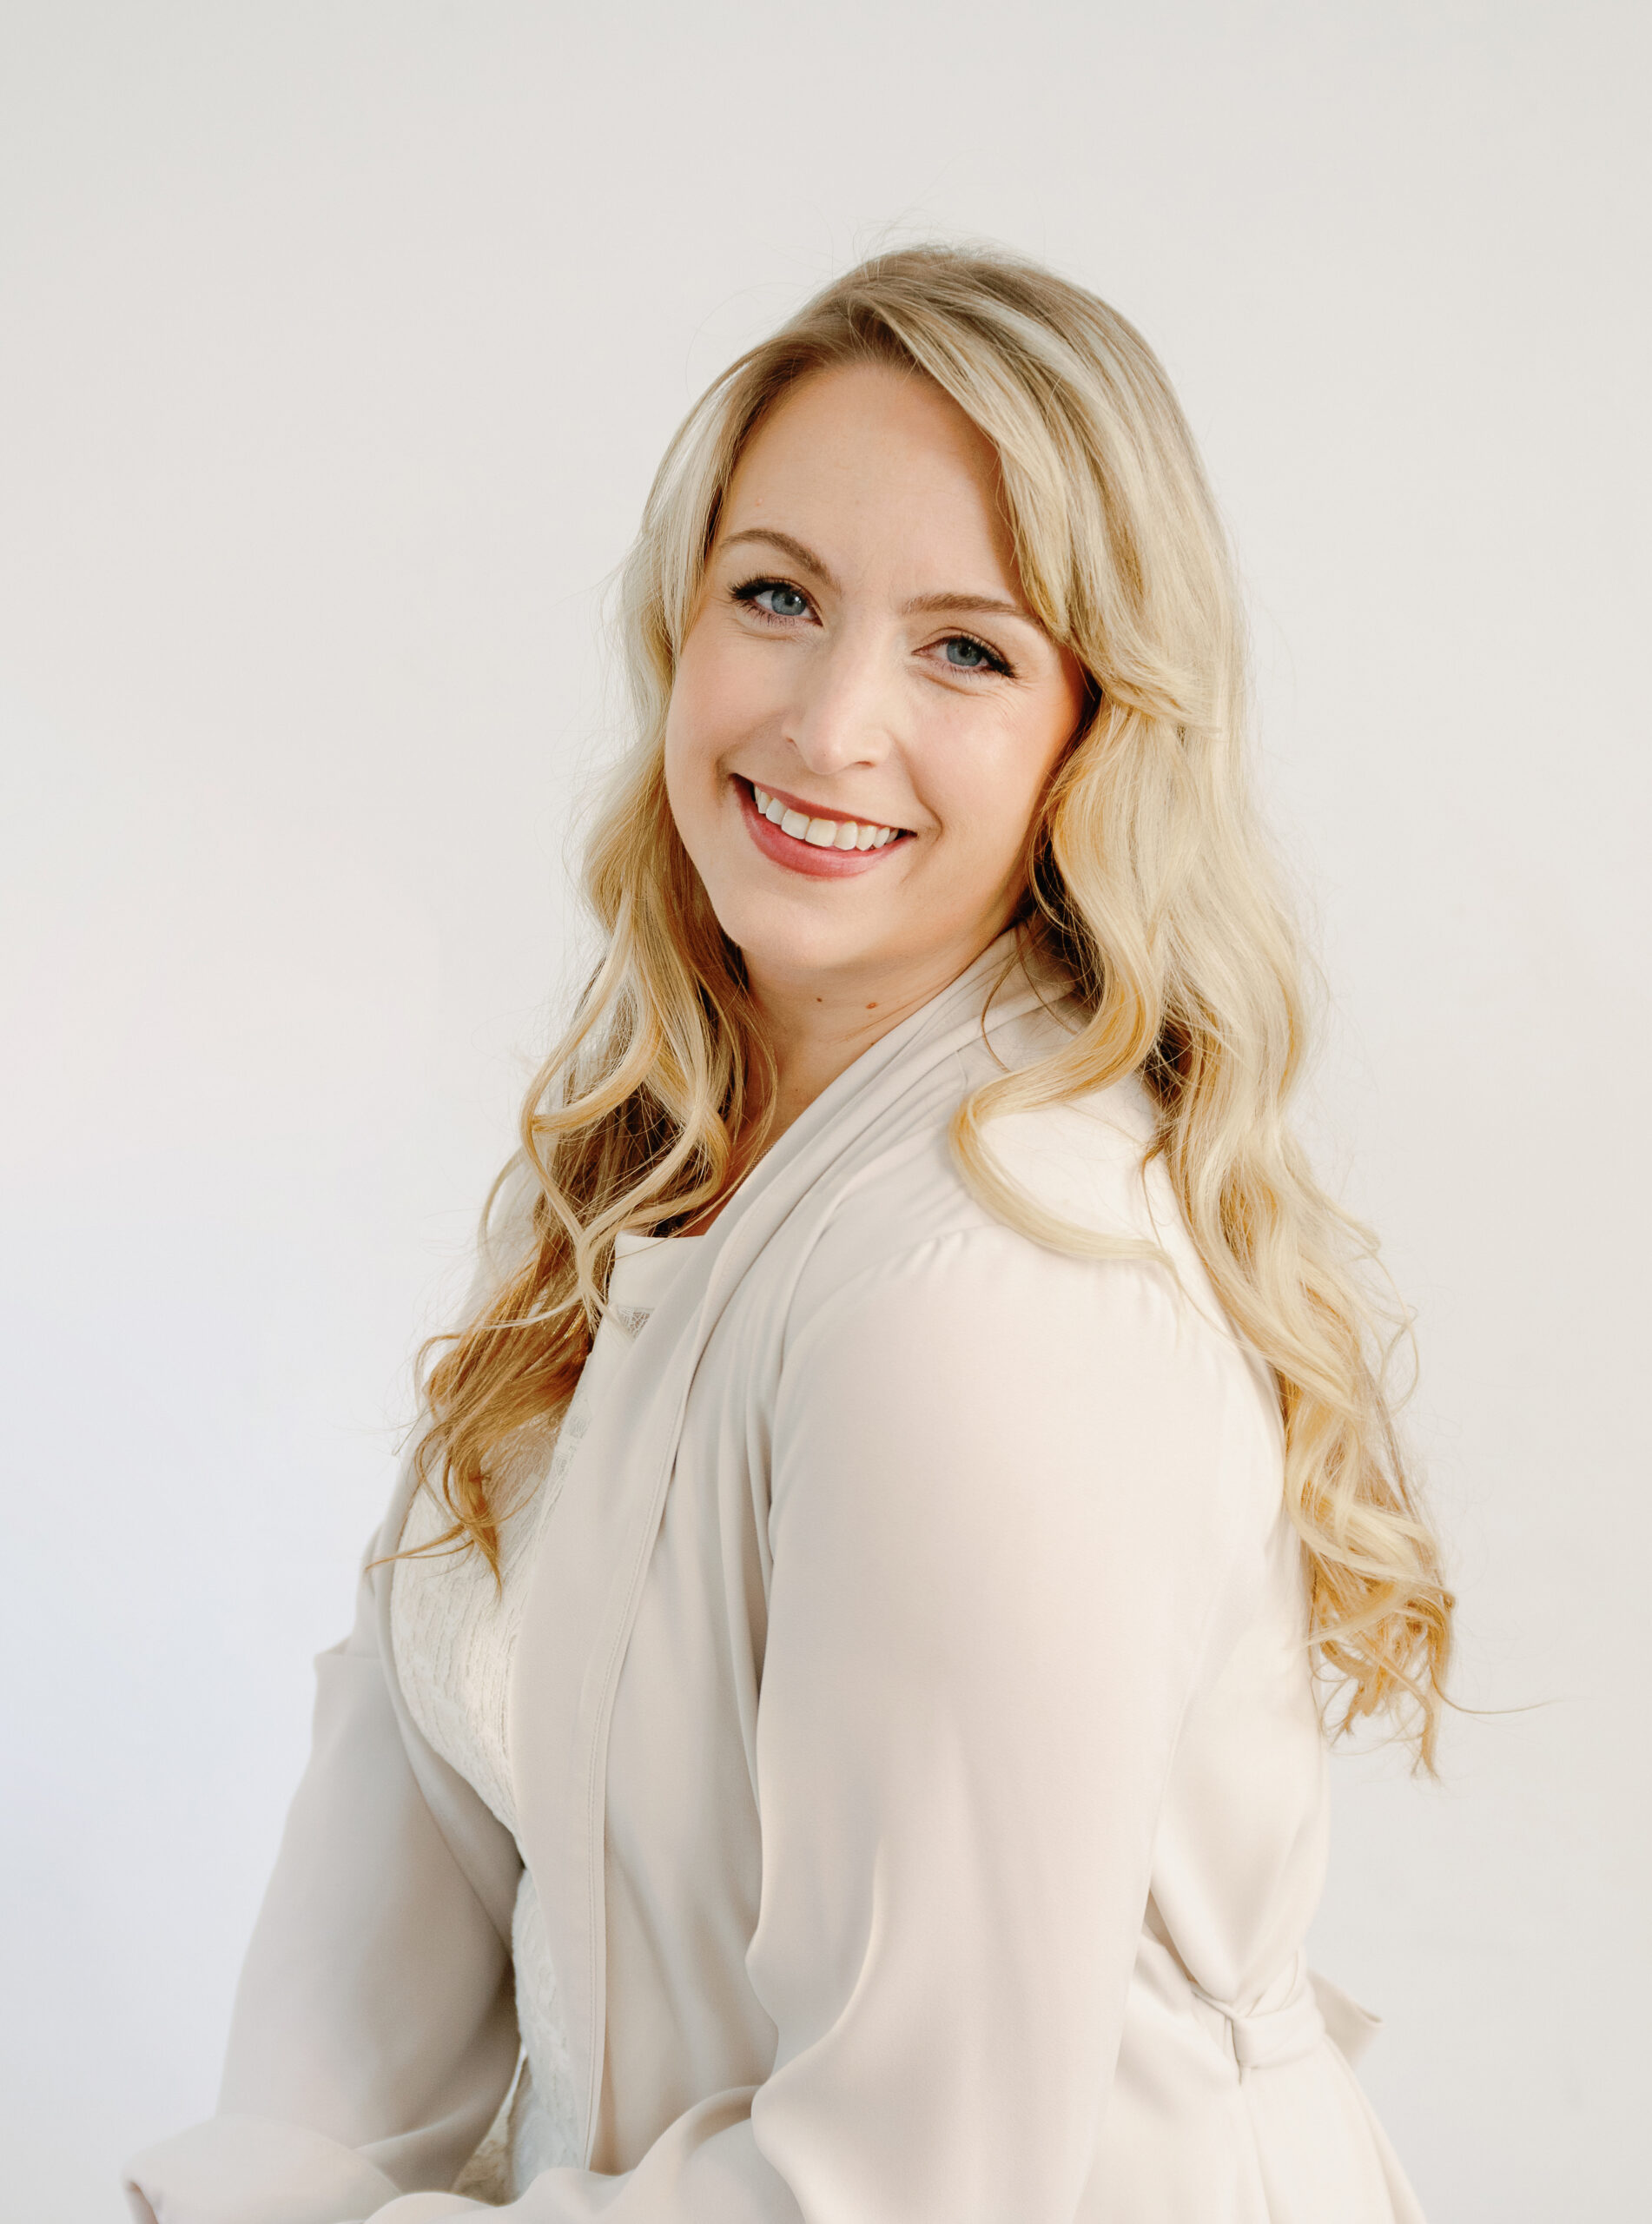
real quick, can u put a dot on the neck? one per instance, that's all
(816, 1026)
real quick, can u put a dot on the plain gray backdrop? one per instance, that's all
(337, 346)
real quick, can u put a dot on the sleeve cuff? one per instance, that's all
(253, 2170)
(430, 2209)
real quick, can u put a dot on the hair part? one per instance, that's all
(1148, 881)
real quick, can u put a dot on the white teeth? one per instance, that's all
(820, 833)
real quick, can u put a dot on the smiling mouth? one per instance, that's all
(822, 830)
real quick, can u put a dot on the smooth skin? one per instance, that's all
(861, 648)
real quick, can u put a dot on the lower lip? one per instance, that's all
(804, 857)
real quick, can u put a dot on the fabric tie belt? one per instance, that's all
(1309, 2010)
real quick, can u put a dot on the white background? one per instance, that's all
(337, 345)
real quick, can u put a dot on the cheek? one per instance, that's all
(986, 796)
(693, 740)
(717, 700)
(688, 716)
(1042, 739)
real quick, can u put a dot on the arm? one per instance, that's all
(999, 1525)
(374, 2032)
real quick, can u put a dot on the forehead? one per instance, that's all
(873, 455)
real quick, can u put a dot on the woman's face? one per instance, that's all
(866, 710)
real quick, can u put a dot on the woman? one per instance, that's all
(834, 1727)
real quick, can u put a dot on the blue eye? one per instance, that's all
(964, 655)
(775, 597)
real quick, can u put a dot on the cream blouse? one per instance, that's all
(910, 1737)
(455, 1632)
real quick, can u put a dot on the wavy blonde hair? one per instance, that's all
(1149, 882)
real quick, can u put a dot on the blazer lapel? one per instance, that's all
(588, 1580)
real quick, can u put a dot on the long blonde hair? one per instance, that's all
(1149, 882)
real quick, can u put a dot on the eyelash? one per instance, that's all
(749, 590)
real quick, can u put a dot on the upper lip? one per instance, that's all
(822, 810)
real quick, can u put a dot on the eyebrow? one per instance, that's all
(962, 598)
(799, 551)
(921, 605)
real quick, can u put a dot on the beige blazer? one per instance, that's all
(915, 1750)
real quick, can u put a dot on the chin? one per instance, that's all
(796, 939)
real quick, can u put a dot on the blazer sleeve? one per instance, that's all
(1003, 1506)
(373, 2035)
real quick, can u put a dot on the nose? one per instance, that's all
(844, 713)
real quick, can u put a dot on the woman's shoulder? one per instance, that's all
(1083, 1196)
(1090, 1162)
(916, 1292)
